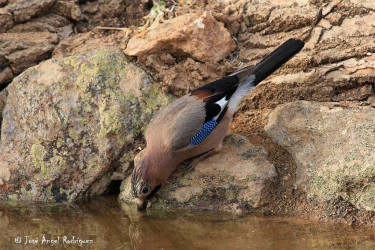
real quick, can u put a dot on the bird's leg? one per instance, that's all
(190, 163)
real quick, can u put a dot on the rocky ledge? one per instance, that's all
(231, 180)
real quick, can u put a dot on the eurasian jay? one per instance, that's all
(193, 126)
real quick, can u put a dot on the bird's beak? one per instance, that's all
(142, 204)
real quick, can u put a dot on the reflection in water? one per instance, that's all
(107, 226)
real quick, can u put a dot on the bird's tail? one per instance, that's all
(276, 59)
(253, 75)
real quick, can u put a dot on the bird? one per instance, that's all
(193, 126)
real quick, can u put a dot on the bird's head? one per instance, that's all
(145, 182)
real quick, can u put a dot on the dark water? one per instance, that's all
(102, 224)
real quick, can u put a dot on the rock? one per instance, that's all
(196, 34)
(3, 2)
(346, 37)
(67, 122)
(24, 10)
(324, 23)
(114, 7)
(113, 13)
(3, 99)
(334, 18)
(6, 75)
(6, 21)
(371, 101)
(356, 94)
(22, 50)
(90, 7)
(68, 9)
(77, 44)
(329, 7)
(285, 19)
(333, 148)
(184, 76)
(230, 180)
(48, 23)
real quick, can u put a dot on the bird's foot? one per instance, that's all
(189, 164)
(186, 166)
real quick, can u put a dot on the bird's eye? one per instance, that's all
(145, 190)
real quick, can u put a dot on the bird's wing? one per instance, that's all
(217, 94)
(197, 123)
(189, 119)
(174, 125)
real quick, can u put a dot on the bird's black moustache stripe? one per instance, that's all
(153, 192)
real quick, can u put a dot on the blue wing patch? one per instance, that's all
(204, 132)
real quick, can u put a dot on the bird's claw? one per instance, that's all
(187, 166)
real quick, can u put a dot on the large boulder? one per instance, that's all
(232, 179)
(67, 122)
(196, 34)
(333, 147)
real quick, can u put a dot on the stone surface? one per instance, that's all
(231, 180)
(67, 122)
(328, 48)
(68, 9)
(197, 34)
(6, 20)
(356, 94)
(3, 2)
(48, 23)
(24, 10)
(81, 43)
(3, 98)
(178, 78)
(6, 75)
(333, 148)
(22, 50)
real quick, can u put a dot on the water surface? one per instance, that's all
(102, 224)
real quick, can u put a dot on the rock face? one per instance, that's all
(337, 58)
(195, 34)
(63, 134)
(24, 10)
(333, 147)
(33, 29)
(230, 180)
(48, 23)
(22, 50)
(6, 75)
(68, 9)
(6, 20)
(3, 97)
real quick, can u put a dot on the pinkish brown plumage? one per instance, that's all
(195, 124)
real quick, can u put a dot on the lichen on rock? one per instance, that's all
(333, 147)
(67, 122)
